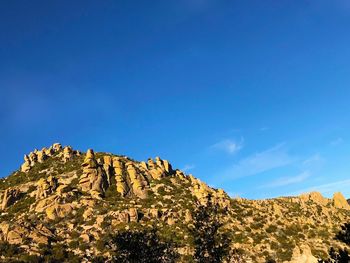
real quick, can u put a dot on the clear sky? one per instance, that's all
(249, 96)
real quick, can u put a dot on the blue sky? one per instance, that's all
(250, 96)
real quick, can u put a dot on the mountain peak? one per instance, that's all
(61, 195)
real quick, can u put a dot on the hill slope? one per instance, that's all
(63, 196)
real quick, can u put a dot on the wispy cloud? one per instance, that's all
(326, 188)
(283, 181)
(188, 167)
(337, 141)
(269, 159)
(228, 146)
(263, 129)
(316, 158)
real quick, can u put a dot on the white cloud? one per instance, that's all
(313, 159)
(337, 141)
(283, 181)
(229, 146)
(269, 159)
(188, 167)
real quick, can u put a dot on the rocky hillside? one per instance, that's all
(61, 196)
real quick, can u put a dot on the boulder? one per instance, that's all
(138, 182)
(67, 153)
(46, 187)
(120, 178)
(339, 201)
(25, 167)
(303, 255)
(133, 215)
(58, 211)
(93, 179)
(10, 197)
(315, 197)
(39, 156)
(42, 156)
(56, 147)
(15, 236)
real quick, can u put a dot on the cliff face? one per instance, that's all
(63, 196)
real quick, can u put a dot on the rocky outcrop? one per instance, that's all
(158, 168)
(315, 197)
(131, 179)
(39, 156)
(302, 255)
(66, 154)
(10, 197)
(339, 201)
(93, 179)
(108, 168)
(27, 165)
(120, 176)
(138, 182)
(19, 231)
(58, 211)
(46, 186)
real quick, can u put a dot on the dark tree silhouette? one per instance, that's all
(211, 245)
(344, 234)
(142, 247)
(342, 255)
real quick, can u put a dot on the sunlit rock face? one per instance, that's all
(67, 196)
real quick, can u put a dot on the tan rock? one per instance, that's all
(14, 237)
(138, 182)
(133, 215)
(315, 197)
(41, 205)
(67, 153)
(56, 147)
(303, 255)
(339, 201)
(88, 213)
(40, 234)
(124, 217)
(26, 166)
(93, 179)
(10, 197)
(188, 216)
(45, 187)
(58, 211)
(42, 156)
(85, 238)
(108, 167)
(120, 176)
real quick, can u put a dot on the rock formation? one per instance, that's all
(39, 156)
(93, 179)
(138, 182)
(72, 199)
(10, 196)
(46, 186)
(159, 168)
(315, 197)
(339, 201)
(120, 176)
(25, 167)
(302, 255)
(67, 153)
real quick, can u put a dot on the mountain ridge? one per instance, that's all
(64, 196)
